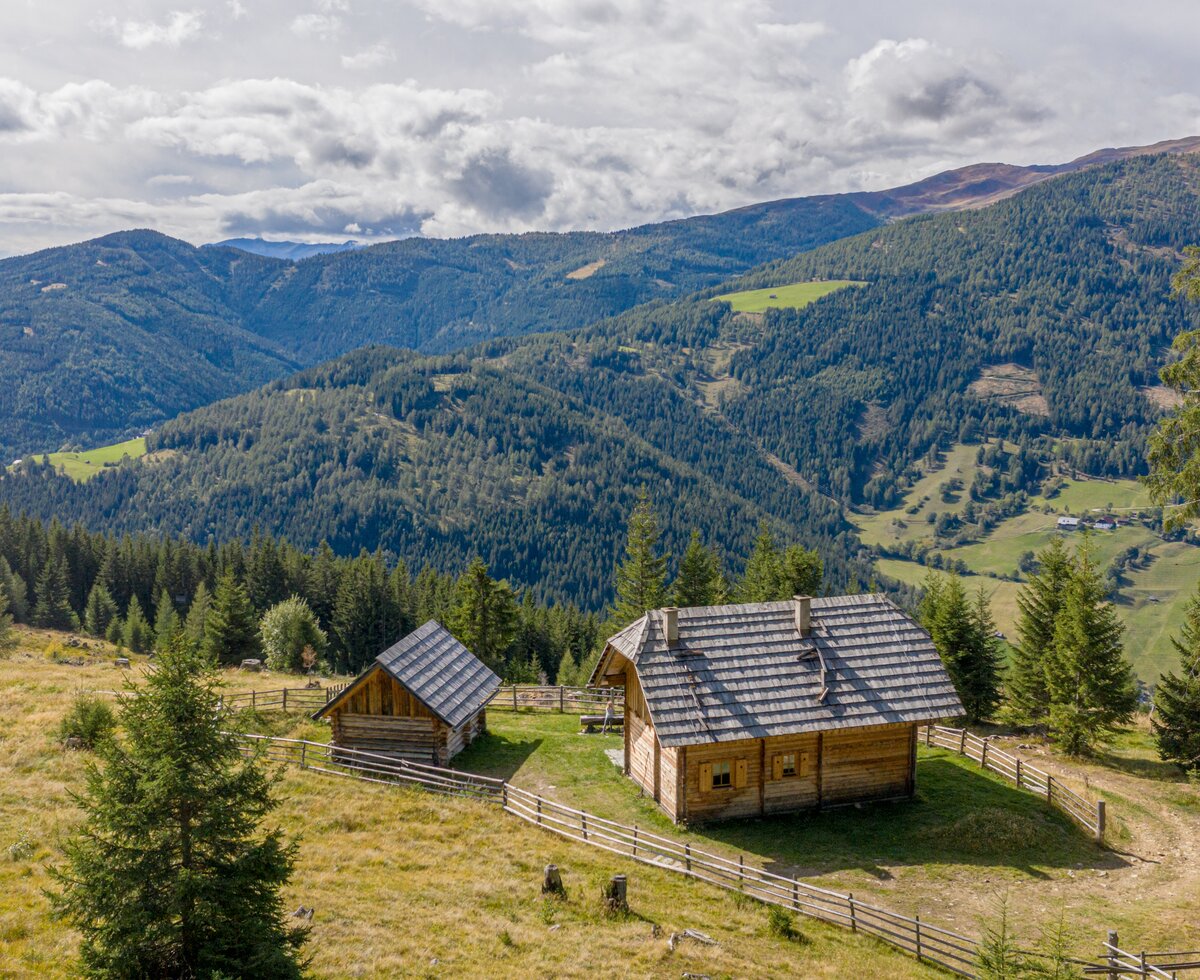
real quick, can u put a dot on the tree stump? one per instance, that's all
(552, 882)
(615, 895)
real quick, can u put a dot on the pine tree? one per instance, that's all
(981, 667)
(948, 616)
(700, 582)
(231, 629)
(366, 617)
(53, 609)
(166, 621)
(642, 573)
(136, 632)
(1176, 716)
(100, 610)
(174, 874)
(14, 587)
(197, 616)
(1090, 683)
(1039, 603)
(483, 615)
(8, 639)
(764, 570)
(801, 572)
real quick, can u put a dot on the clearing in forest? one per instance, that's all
(795, 296)
(82, 466)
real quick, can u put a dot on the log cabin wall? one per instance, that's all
(640, 738)
(867, 764)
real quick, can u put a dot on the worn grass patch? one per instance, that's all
(794, 296)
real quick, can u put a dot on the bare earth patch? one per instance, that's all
(1011, 383)
(1162, 396)
(589, 270)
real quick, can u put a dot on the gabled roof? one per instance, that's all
(438, 671)
(744, 671)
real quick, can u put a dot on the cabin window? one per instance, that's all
(787, 764)
(722, 776)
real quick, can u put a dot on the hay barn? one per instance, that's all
(423, 699)
(775, 707)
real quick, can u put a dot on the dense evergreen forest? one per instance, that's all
(528, 451)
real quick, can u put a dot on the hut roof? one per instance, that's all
(438, 671)
(745, 671)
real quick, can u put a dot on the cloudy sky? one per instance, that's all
(322, 120)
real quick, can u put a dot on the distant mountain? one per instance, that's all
(107, 337)
(292, 251)
(527, 450)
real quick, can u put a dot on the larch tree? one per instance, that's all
(136, 632)
(1090, 683)
(1176, 715)
(231, 629)
(483, 615)
(700, 581)
(166, 621)
(641, 574)
(197, 616)
(1039, 603)
(172, 873)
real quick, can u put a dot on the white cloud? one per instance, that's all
(376, 56)
(180, 26)
(324, 27)
(237, 9)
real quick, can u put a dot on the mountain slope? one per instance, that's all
(292, 251)
(528, 450)
(102, 339)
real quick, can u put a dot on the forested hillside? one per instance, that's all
(528, 451)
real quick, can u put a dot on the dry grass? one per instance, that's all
(404, 884)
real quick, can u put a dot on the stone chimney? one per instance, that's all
(803, 614)
(671, 621)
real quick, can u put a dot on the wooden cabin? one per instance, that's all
(775, 707)
(423, 699)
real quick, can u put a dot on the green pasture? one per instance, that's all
(81, 467)
(794, 297)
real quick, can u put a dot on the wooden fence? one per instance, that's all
(929, 943)
(1088, 814)
(282, 699)
(516, 697)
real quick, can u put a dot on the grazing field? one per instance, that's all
(404, 884)
(795, 296)
(1152, 596)
(82, 466)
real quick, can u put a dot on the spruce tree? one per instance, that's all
(981, 667)
(231, 630)
(801, 572)
(948, 616)
(1176, 717)
(173, 873)
(700, 582)
(1039, 603)
(1090, 683)
(642, 573)
(764, 572)
(100, 610)
(14, 587)
(166, 621)
(483, 615)
(53, 609)
(196, 620)
(136, 632)
(8, 638)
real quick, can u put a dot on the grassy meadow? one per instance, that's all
(1152, 599)
(82, 466)
(794, 296)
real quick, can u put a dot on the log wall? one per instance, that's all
(866, 764)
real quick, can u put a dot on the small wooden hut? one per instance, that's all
(423, 699)
(775, 707)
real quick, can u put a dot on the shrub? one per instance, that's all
(781, 925)
(291, 637)
(90, 721)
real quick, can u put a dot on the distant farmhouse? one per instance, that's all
(1100, 523)
(775, 707)
(1068, 523)
(422, 699)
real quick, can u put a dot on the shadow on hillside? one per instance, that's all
(1156, 769)
(959, 817)
(495, 755)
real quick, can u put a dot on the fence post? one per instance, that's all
(562, 700)
(1018, 774)
(853, 916)
(1100, 815)
(796, 894)
(1114, 944)
(917, 919)
(253, 700)
(983, 755)
(303, 746)
(962, 742)
(285, 700)
(741, 873)
(514, 697)
(687, 856)
(928, 735)
(504, 795)
(1049, 788)
(635, 840)
(539, 811)
(583, 824)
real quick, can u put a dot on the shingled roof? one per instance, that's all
(745, 671)
(438, 671)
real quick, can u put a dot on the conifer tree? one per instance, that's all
(100, 610)
(136, 632)
(1176, 717)
(14, 587)
(173, 874)
(641, 575)
(801, 572)
(764, 571)
(231, 629)
(53, 609)
(483, 615)
(197, 616)
(1091, 685)
(1039, 603)
(366, 617)
(166, 621)
(700, 582)
(982, 665)
(8, 638)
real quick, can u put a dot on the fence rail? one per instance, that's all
(281, 699)
(1088, 814)
(518, 697)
